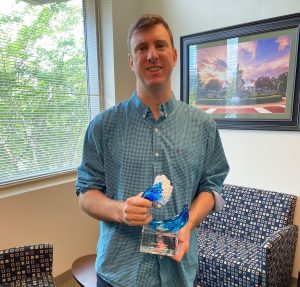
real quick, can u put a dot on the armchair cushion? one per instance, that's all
(41, 280)
(227, 261)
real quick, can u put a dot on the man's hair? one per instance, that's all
(146, 22)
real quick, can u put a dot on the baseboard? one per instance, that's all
(64, 277)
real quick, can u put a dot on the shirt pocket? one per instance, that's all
(185, 160)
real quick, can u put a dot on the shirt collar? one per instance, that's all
(166, 107)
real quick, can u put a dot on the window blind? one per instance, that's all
(46, 96)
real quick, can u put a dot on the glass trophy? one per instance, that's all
(156, 242)
(161, 236)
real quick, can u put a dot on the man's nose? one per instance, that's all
(152, 54)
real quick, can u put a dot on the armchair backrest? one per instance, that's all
(251, 214)
(25, 261)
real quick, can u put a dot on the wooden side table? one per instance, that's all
(83, 269)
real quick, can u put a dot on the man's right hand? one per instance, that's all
(136, 211)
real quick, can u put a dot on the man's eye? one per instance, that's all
(141, 49)
(161, 45)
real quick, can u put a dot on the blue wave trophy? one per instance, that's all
(161, 236)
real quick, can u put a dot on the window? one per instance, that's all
(46, 99)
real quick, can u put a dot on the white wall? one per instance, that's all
(263, 159)
(119, 81)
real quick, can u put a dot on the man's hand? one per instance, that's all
(201, 206)
(136, 211)
(183, 245)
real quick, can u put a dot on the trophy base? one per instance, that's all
(156, 242)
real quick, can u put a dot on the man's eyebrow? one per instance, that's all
(141, 43)
(162, 42)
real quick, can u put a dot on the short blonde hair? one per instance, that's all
(146, 22)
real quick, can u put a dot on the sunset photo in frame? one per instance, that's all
(245, 76)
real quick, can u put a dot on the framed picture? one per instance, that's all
(246, 76)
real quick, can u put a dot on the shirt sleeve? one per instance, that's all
(215, 167)
(219, 201)
(90, 173)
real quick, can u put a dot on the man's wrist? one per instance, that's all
(189, 226)
(119, 211)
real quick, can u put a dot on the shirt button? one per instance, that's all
(156, 154)
(156, 129)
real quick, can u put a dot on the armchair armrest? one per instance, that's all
(278, 252)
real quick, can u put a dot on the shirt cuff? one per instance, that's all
(219, 201)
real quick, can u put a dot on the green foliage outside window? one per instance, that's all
(43, 98)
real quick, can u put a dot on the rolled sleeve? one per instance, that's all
(219, 201)
(215, 168)
(90, 173)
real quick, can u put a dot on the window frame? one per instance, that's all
(94, 80)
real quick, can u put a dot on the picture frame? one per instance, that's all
(246, 76)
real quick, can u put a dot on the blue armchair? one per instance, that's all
(251, 242)
(27, 266)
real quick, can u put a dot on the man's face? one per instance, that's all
(152, 59)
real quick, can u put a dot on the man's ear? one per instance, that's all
(130, 61)
(175, 56)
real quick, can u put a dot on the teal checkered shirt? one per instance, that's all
(125, 148)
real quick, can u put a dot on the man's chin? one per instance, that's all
(156, 89)
(155, 85)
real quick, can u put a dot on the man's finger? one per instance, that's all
(139, 201)
(134, 222)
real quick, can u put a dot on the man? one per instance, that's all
(127, 146)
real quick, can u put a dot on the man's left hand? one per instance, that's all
(183, 244)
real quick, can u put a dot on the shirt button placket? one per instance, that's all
(156, 152)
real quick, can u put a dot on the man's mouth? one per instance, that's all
(154, 68)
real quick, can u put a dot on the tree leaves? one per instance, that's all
(43, 102)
